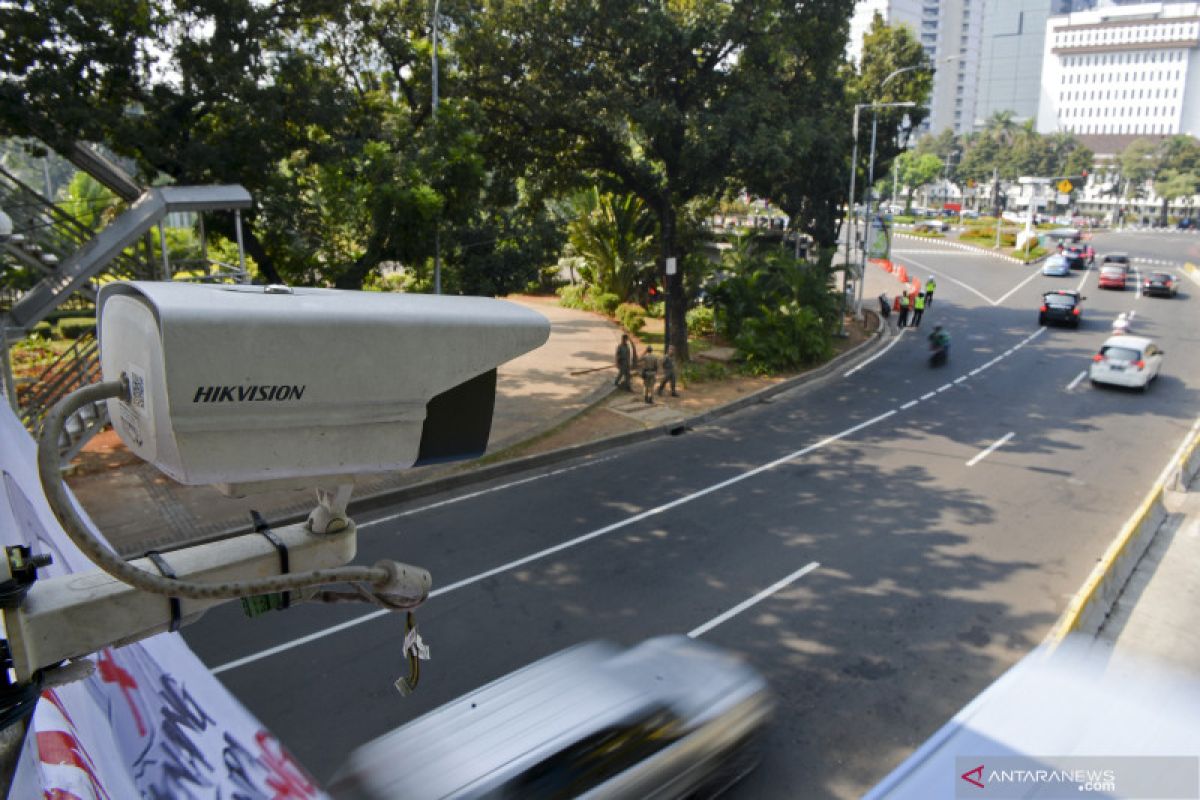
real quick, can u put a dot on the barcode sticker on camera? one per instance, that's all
(137, 389)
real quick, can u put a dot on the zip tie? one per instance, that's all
(167, 572)
(261, 526)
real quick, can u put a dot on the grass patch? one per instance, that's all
(1029, 255)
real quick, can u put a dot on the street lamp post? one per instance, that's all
(868, 201)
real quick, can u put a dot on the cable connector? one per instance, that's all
(21, 566)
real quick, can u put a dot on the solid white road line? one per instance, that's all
(1075, 382)
(482, 492)
(991, 448)
(578, 540)
(321, 634)
(941, 274)
(763, 595)
(1082, 281)
(1010, 292)
(880, 354)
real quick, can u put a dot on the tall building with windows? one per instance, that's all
(950, 31)
(1010, 59)
(1123, 71)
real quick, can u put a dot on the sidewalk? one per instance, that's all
(1157, 615)
(558, 396)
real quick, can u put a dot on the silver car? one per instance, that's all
(668, 718)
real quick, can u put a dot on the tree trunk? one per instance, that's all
(1162, 217)
(676, 305)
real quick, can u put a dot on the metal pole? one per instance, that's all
(868, 203)
(996, 202)
(162, 242)
(7, 383)
(237, 225)
(850, 219)
(437, 231)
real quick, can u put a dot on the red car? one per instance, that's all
(1112, 276)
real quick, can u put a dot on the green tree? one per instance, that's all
(642, 97)
(321, 110)
(917, 170)
(800, 95)
(614, 235)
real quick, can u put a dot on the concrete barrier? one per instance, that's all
(1092, 603)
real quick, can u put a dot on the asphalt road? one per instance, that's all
(943, 556)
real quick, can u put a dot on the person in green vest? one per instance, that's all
(903, 320)
(930, 285)
(918, 309)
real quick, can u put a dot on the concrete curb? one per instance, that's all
(1094, 601)
(502, 469)
(972, 249)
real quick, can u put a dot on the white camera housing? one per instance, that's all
(250, 384)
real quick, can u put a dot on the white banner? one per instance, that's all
(152, 721)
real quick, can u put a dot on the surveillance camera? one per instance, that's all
(6, 227)
(241, 385)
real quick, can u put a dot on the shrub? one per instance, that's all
(632, 317)
(574, 296)
(606, 303)
(74, 327)
(783, 338)
(656, 310)
(700, 321)
(987, 235)
(43, 330)
(702, 370)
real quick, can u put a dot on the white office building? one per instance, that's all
(1128, 70)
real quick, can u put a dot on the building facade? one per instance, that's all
(955, 55)
(1127, 70)
(950, 31)
(1010, 59)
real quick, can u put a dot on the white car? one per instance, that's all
(1131, 361)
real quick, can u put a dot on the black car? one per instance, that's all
(1062, 306)
(1163, 284)
(1076, 257)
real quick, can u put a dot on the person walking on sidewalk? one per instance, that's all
(668, 365)
(918, 309)
(649, 368)
(930, 286)
(885, 310)
(625, 358)
(903, 301)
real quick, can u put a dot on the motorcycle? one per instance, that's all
(939, 349)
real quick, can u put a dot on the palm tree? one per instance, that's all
(614, 235)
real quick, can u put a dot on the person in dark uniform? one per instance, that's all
(668, 373)
(649, 369)
(624, 361)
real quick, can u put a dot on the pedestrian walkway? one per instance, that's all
(1157, 615)
(138, 508)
